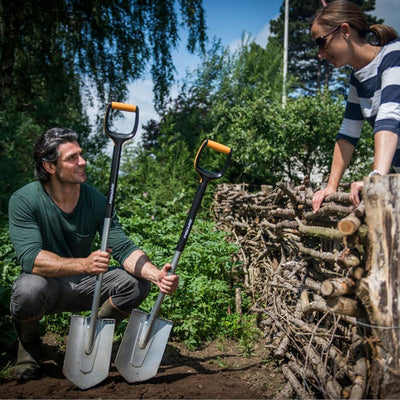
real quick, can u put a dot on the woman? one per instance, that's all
(343, 37)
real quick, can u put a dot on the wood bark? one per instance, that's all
(337, 287)
(314, 286)
(381, 288)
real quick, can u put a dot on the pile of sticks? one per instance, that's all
(301, 270)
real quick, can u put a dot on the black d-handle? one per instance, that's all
(115, 136)
(205, 177)
(118, 139)
(209, 175)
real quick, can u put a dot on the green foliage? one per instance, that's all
(236, 100)
(72, 53)
(9, 271)
(58, 324)
(243, 327)
(204, 296)
(200, 308)
(276, 142)
(215, 98)
(165, 177)
(105, 42)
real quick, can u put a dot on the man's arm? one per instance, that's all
(139, 265)
(49, 264)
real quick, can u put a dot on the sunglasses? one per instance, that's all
(320, 42)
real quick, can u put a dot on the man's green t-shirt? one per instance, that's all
(36, 223)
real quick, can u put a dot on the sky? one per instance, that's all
(227, 20)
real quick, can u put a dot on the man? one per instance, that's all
(53, 222)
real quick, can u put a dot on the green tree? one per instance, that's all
(310, 72)
(107, 43)
(57, 57)
(220, 78)
(186, 119)
(274, 143)
(236, 100)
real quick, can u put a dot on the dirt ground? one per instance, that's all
(218, 371)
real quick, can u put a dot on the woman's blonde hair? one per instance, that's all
(340, 11)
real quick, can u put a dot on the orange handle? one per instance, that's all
(218, 147)
(123, 107)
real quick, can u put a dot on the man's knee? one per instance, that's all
(28, 297)
(130, 292)
(144, 289)
(135, 291)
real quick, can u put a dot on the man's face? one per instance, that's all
(71, 165)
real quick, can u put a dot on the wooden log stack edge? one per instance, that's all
(307, 274)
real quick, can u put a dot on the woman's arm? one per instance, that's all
(341, 157)
(385, 147)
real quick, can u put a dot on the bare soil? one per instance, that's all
(217, 371)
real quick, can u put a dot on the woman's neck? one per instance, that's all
(364, 55)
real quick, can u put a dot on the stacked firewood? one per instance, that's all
(301, 270)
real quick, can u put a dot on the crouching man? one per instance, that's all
(53, 222)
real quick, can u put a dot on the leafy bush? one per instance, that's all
(9, 271)
(273, 143)
(205, 296)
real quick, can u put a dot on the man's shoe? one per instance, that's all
(29, 356)
(27, 368)
(107, 310)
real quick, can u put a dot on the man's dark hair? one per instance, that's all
(46, 149)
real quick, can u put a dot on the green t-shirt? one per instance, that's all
(36, 223)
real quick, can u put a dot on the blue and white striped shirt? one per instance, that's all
(374, 96)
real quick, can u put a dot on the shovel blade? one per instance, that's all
(84, 369)
(138, 364)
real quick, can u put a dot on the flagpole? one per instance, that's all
(285, 51)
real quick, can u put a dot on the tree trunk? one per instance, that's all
(380, 289)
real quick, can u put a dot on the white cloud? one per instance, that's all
(141, 94)
(262, 36)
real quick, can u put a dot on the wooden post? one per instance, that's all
(380, 289)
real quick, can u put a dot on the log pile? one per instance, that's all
(302, 270)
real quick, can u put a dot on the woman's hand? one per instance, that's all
(319, 197)
(356, 188)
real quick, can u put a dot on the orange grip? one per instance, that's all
(123, 107)
(219, 147)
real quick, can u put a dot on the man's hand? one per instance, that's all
(51, 265)
(97, 262)
(138, 264)
(356, 188)
(167, 283)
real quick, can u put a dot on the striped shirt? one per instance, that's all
(374, 96)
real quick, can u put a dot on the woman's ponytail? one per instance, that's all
(382, 34)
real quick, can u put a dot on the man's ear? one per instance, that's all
(49, 167)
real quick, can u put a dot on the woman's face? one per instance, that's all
(335, 46)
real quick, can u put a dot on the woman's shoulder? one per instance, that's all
(389, 56)
(391, 47)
